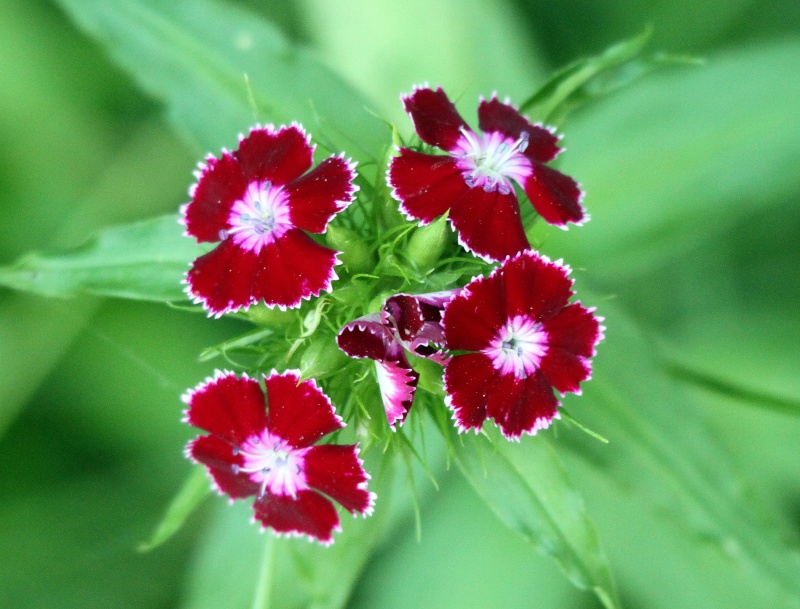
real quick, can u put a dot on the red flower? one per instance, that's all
(523, 340)
(406, 322)
(258, 201)
(474, 183)
(252, 450)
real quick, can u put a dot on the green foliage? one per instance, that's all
(666, 171)
(141, 261)
(194, 490)
(587, 79)
(207, 60)
(686, 164)
(528, 489)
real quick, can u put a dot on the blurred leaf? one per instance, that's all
(300, 573)
(192, 492)
(34, 335)
(199, 56)
(470, 48)
(143, 261)
(681, 156)
(725, 313)
(584, 79)
(465, 558)
(70, 545)
(660, 450)
(570, 29)
(747, 354)
(226, 565)
(526, 486)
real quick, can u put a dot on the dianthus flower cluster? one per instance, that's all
(508, 342)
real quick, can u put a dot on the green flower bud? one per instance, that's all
(262, 315)
(427, 244)
(355, 252)
(321, 357)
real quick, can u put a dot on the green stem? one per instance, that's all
(265, 578)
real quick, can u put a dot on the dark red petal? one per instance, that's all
(575, 329)
(473, 318)
(292, 268)
(309, 514)
(338, 472)
(314, 198)
(217, 455)
(565, 370)
(366, 337)
(489, 223)
(221, 184)
(534, 286)
(397, 382)
(468, 380)
(429, 342)
(435, 118)
(505, 118)
(278, 156)
(227, 406)
(555, 196)
(298, 412)
(222, 279)
(433, 303)
(522, 405)
(404, 315)
(572, 337)
(426, 185)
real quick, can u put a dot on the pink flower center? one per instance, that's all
(518, 348)
(491, 160)
(260, 217)
(272, 463)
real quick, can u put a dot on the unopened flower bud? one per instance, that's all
(355, 252)
(322, 357)
(427, 244)
(262, 315)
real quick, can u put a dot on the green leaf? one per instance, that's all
(227, 560)
(571, 79)
(192, 492)
(661, 450)
(526, 486)
(291, 572)
(198, 56)
(142, 261)
(681, 156)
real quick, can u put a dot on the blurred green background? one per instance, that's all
(702, 253)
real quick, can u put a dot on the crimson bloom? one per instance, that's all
(474, 182)
(268, 452)
(405, 322)
(523, 340)
(258, 200)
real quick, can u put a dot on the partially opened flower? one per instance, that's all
(474, 182)
(258, 201)
(405, 322)
(265, 448)
(523, 340)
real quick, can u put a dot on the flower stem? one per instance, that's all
(265, 578)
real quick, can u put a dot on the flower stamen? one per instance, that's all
(273, 464)
(260, 217)
(491, 160)
(519, 347)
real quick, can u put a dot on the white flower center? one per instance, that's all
(519, 347)
(260, 217)
(491, 160)
(272, 463)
